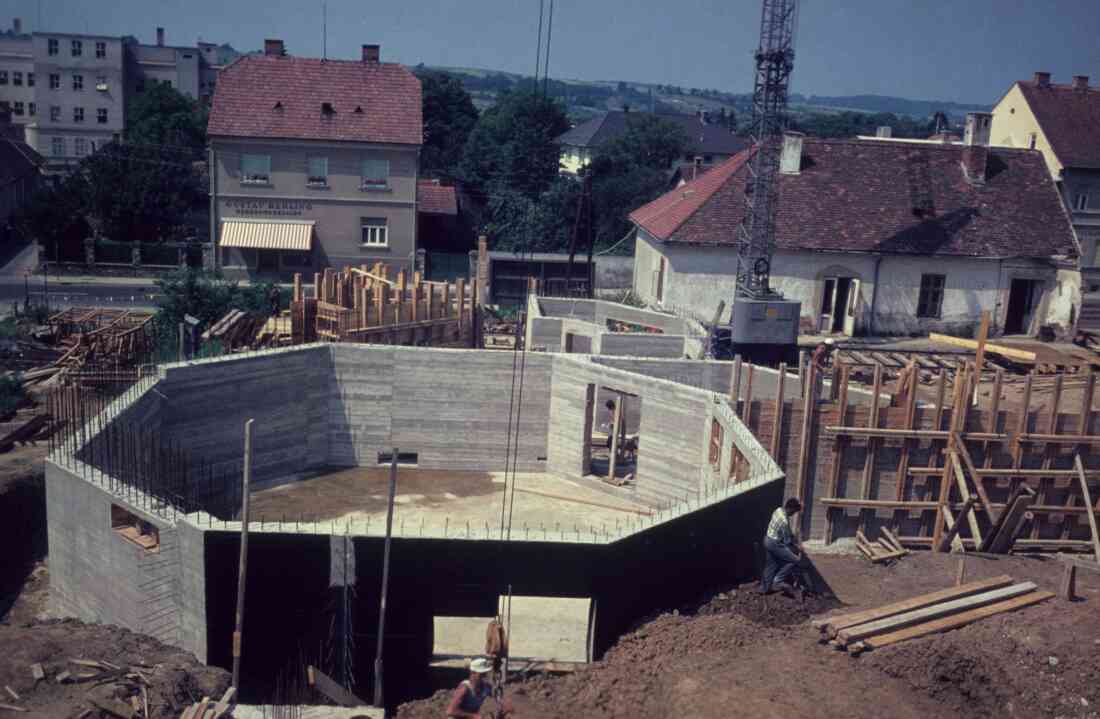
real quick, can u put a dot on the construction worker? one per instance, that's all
(467, 698)
(822, 353)
(785, 556)
(608, 424)
(273, 300)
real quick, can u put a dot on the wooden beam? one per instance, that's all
(979, 356)
(839, 443)
(948, 539)
(832, 625)
(910, 418)
(1088, 503)
(613, 457)
(1009, 352)
(910, 504)
(735, 385)
(812, 386)
(327, 686)
(964, 453)
(1004, 532)
(935, 611)
(777, 427)
(957, 620)
(872, 423)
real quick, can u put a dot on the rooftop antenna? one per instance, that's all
(324, 30)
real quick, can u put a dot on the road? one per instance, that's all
(62, 294)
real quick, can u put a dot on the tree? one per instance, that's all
(203, 294)
(449, 117)
(629, 171)
(519, 223)
(514, 145)
(163, 116)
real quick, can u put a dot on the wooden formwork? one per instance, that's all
(914, 466)
(363, 304)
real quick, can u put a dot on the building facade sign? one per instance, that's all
(268, 208)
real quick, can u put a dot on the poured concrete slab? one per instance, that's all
(436, 500)
(265, 711)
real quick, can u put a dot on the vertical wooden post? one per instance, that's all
(979, 357)
(872, 442)
(460, 290)
(297, 287)
(589, 404)
(735, 385)
(1084, 425)
(777, 426)
(809, 404)
(614, 456)
(906, 443)
(839, 442)
(242, 573)
(1090, 509)
(746, 412)
(318, 286)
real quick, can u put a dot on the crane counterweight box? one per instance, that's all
(764, 321)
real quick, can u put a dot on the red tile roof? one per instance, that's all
(281, 97)
(1070, 120)
(863, 196)
(435, 199)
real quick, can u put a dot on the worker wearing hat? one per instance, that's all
(468, 697)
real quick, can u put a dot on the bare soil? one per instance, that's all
(739, 654)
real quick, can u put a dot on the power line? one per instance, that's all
(546, 65)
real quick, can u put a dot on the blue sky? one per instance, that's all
(962, 50)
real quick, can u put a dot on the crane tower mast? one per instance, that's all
(761, 319)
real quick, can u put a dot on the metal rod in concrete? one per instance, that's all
(386, 581)
(242, 574)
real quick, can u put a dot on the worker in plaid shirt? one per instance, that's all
(785, 555)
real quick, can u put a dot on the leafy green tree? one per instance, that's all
(449, 117)
(51, 215)
(138, 192)
(205, 295)
(514, 146)
(164, 116)
(518, 223)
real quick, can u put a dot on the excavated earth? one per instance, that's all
(736, 654)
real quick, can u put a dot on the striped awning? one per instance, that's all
(268, 234)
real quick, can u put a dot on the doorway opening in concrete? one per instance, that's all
(1021, 305)
(838, 305)
(611, 451)
(134, 529)
(545, 629)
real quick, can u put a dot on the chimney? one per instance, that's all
(1080, 82)
(372, 53)
(884, 131)
(273, 48)
(160, 37)
(790, 160)
(1042, 79)
(17, 26)
(975, 153)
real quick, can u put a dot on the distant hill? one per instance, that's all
(585, 98)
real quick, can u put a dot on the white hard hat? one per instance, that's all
(830, 341)
(481, 666)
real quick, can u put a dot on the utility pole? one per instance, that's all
(378, 698)
(583, 220)
(243, 573)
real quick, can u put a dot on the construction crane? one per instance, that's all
(763, 325)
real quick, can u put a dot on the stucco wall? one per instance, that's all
(337, 209)
(697, 277)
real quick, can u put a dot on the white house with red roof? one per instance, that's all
(875, 237)
(315, 163)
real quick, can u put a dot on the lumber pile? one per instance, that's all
(927, 614)
(112, 690)
(237, 329)
(210, 709)
(886, 549)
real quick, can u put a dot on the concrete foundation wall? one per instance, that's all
(449, 406)
(672, 428)
(98, 576)
(640, 344)
(206, 404)
(550, 319)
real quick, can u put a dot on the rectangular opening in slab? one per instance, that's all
(134, 529)
(542, 628)
(407, 459)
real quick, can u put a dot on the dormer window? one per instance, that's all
(278, 107)
(327, 109)
(358, 109)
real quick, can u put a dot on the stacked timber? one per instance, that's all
(928, 614)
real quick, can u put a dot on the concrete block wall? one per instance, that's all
(191, 568)
(640, 344)
(672, 428)
(449, 406)
(206, 403)
(97, 575)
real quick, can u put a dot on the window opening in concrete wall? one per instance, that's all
(577, 344)
(716, 433)
(611, 437)
(403, 458)
(134, 529)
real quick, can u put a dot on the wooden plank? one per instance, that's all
(910, 418)
(935, 611)
(979, 355)
(964, 454)
(872, 423)
(1008, 527)
(909, 504)
(839, 442)
(327, 686)
(957, 620)
(1009, 352)
(811, 387)
(964, 492)
(949, 523)
(1045, 484)
(836, 623)
(949, 538)
(1088, 503)
(777, 427)
(1093, 567)
(892, 538)
(1068, 590)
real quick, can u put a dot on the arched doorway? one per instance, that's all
(839, 301)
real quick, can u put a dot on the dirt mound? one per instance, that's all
(772, 610)
(175, 679)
